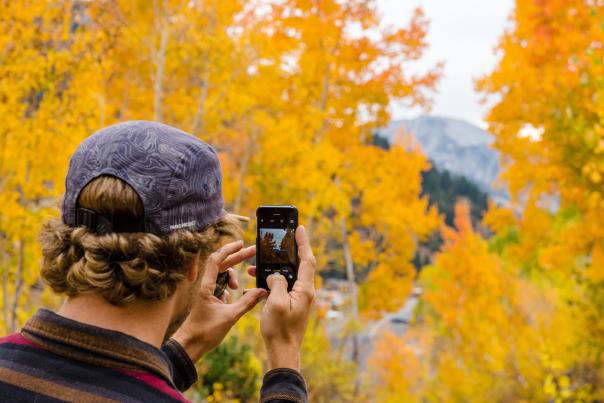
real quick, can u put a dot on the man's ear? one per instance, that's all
(193, 272)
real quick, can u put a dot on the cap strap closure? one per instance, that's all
(102, 225)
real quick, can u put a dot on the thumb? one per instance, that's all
(278, 286)
(248, 301)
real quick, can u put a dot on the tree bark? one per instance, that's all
(352, 284)
(198, 120)
(204, 86)
(5, 304)
(350, 276)
(160, 59)
(18, 286)
(245, 162)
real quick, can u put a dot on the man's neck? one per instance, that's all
(146, 321)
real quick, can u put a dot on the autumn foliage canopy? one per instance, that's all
(290, 93)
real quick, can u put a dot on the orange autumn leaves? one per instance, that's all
(518, 316)
(289, 93)
(560, 243)
(483, 331)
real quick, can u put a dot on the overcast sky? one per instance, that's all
(463, 34)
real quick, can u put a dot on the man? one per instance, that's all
(141, 241)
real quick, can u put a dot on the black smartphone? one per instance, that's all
(221, 283)
(276, 247)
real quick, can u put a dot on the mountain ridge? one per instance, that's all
(454, 145)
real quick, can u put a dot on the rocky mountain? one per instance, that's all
(456, 146)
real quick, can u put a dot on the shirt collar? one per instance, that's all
(95, 345)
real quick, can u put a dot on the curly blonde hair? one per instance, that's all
(124, 267)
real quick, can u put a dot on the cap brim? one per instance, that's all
(238, 217)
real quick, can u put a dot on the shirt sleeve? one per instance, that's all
(283, 385)
(184, 373)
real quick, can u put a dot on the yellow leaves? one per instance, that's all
(363, 250)
(487, 327)
(386, 288)
(595, 177)
(389, 218)
(599, 147)
(541, 56)
(595, 270)
(217, 396)
(464, 280)
(558, 386)
(558, 249)
(332, 377)
(289, 98)
(499, 218)
(395, 364)
(47, 104)
(593, 172)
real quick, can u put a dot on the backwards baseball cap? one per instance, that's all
(176, 175)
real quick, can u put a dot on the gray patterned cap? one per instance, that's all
(176, 175)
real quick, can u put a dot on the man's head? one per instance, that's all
(137, 242)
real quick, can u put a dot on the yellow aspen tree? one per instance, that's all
(289, 93)
(481, 334)
(331, 88)
(336, 88)
(48, 105)
(547, 122)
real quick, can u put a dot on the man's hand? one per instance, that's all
(211, 318)
(285, 315)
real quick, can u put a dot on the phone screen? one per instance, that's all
(277, 251)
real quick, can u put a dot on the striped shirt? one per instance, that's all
(56, 359)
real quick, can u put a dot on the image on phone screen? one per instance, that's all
(277, 245)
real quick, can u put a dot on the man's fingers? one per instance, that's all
(304, 250)
(306, 271)
(248, 301)
(237, 257)
(208, 281)
(233, 282)
(225, 296)
(251, 271)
